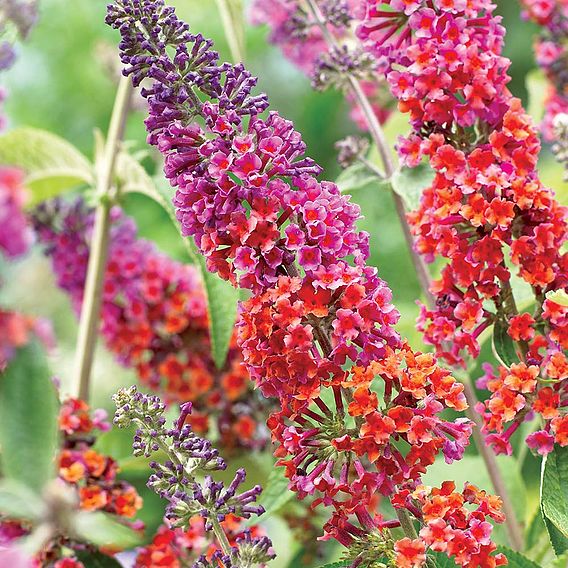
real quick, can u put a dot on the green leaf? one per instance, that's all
(101, 529)
(96, 559)
(503, 346)
(132, 177)
(222, 298)
(554, 498)
(516, 559)
(337, 564)
(18, 501)
(442, 560)
(537, 87)
(559, 297)
(358, 176)
(50, 163)
(275, 494)
(409, 183)
(28, 418)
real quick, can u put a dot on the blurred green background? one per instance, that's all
(63, 82)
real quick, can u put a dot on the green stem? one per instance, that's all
(406, 524)
(90, 311)
(221, 536)
(231, 11)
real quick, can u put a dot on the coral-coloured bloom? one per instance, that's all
(521, 327)
(410, 553)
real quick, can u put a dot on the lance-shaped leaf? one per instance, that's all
(51, 164)
(222, 298)
(101, 529)
(28, 418)
(409, 183)
(554, 497)
(503, 346)
(516, 559)
(274, 495)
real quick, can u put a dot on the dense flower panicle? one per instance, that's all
(91, 474)
(551, 49)
(176, 479)
(175, 548)
(154, 319)
(486, 209)
(457, 524)
(320, 321)
(302, 41)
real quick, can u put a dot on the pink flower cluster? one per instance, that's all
(551, 49)
(15, 240)
(154, 319)
(486, 209)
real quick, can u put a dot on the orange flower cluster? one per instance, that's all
(91, 474)
(455, 524)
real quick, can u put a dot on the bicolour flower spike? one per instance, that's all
(177, 481)
(551, 48)
(486, 209)
(154, 319)
(319, 318)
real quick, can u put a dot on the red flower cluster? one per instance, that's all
(175, 548)
(455, 524)
(519, 392)
(154, 319)
(551, 49)
(93, 476)
(486, 208)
